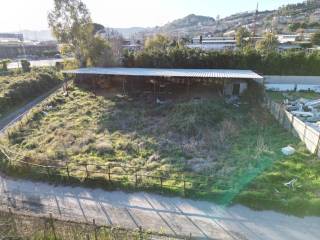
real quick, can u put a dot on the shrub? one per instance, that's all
(191, 117)
(25, 87)
(25, 64)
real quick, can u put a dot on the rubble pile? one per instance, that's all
(306, 110)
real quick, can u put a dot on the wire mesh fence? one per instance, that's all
(113, 175)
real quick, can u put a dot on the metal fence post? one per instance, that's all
(52, 226)
(13, 221)
(68, 172)
(184, 187)
(161, 182)
(95, 229)
(136, 182)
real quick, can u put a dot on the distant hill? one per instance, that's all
(302, 15)
(307, 14)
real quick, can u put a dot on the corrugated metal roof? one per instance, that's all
(168, 72)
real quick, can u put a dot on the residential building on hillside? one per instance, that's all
(213, 43)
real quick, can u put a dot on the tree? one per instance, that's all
(97, 28)
(242, 37)
(268, 44)
(71, 24)
(315, 39)
(158, 42)
(115, 40)
(4, 64)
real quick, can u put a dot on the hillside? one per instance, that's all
(304, 15)
(286, 19)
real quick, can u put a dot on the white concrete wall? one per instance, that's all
(309, 135)
(292, 83)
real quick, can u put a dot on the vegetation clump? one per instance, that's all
(18, 88)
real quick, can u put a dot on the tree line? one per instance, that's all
(276, 63)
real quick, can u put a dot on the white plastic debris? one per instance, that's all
(288, 150)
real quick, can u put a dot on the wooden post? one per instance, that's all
(136, 176)
(140, 233)
(52, 226)
(68, 172)
(184, 187)
(95, 229)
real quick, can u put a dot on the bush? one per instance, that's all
(25, 64)
(25, 87)
(191, 117)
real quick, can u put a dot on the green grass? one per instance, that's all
(268, 191)
(16, 88)
(181, 139)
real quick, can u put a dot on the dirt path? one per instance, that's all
(174, 216)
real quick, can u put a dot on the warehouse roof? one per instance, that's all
(168, 72)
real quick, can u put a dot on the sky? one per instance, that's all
(16, 15)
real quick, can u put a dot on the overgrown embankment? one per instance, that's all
(18, 88)
(198, 146)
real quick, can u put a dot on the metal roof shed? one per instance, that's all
(233, 81)
(168, 72)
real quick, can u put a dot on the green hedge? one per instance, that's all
(273, 63)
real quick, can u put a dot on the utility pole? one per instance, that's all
(255, 21)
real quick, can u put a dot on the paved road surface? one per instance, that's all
(174, 216)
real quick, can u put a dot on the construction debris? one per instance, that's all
(291, 183)
(288, 150)
(307, 110)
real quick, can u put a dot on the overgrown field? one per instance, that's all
(213, 148)
(17, 88)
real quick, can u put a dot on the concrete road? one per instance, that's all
(174, 216)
